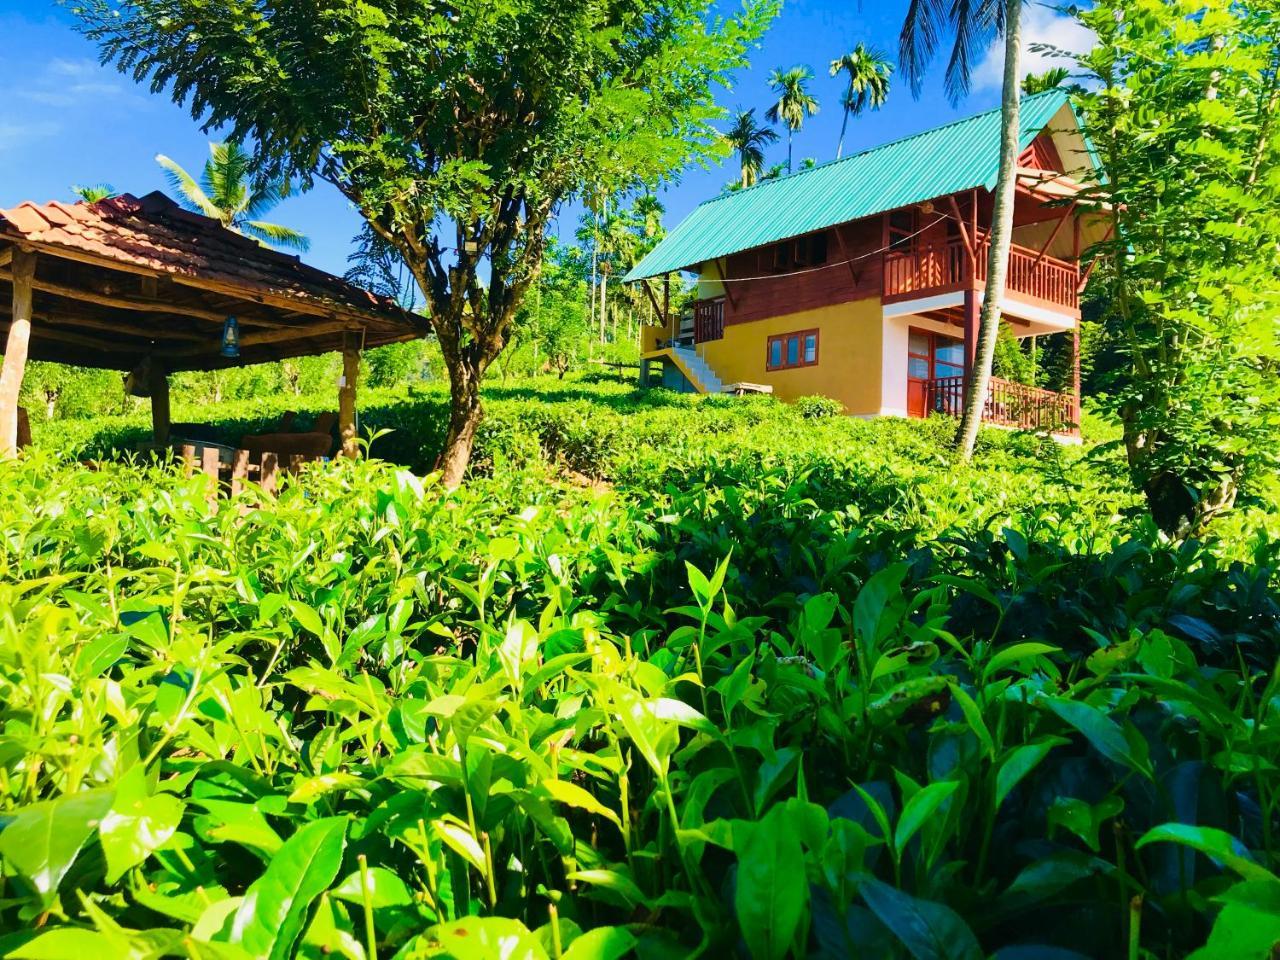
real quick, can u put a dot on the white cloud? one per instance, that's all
(1040, 26)
(20, 134)
(78, 83)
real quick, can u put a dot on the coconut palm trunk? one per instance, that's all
(1001, 233)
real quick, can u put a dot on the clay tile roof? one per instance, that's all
(154, 233)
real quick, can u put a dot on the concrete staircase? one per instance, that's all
(704, 378)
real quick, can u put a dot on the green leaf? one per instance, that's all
(43, 840)
(1007, 656)
(137, 826)
(459, 839)
(772, 890)
(488, 938)
(917, 810)
(575, 796)
(1217, 844)
(1100, 730)
(929, 931)
(1018, 763)
(385, 889)
(614, 881)
(271, 916)
(602, 943)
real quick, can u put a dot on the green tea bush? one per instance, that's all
(815, 408)
(806, 689)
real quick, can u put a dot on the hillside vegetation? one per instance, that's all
(667, 675)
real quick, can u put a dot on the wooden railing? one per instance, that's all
(1008, 404)
(708, 320)
(928, 269)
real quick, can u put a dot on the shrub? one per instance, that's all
(815, 408)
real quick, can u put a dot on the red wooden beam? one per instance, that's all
(724, 282)
(1070, 214)
(1084, 279)
(964, 231)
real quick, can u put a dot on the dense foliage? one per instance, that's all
(1183, 104)
(667, 675)
(457, 130)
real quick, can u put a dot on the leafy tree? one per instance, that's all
(227, 192)
(456, 130)
(376, 265)
(59, 391)
(868, 73)
(748, 139)
(1050, 79)
(793, 103)
(1184, 111)
(972, 23)
(95, 192)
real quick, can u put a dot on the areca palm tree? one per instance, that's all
(868, 88)
(972, 23)
(94, 193)
(748, 139)
(1051, 79)
(794, 101)
(226, 192)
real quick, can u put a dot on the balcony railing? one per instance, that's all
(1008, 404)
(708, 320)
(928, 269)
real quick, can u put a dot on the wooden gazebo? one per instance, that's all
(141, 285)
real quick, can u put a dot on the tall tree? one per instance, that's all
(456, 130)
(1192, 269)
(1050, 79)
(748, 138)
(227, 192)
(972, 23)
(868, 72)
(793, 103)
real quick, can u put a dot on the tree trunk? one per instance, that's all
(1001, 233)
(790, 134)
(604, 315)
(844, 125)
(465, 415)
(15, 352)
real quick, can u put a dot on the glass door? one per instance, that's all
(930, 356)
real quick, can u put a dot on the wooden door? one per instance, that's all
(930, 356)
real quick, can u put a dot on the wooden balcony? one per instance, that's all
(708, 320)
(925, 270)
(1009, 404)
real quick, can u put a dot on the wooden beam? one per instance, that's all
(236, 292)
(100, 345)
(272, 336)
(964, 230)
(107, 326)
(6, 257)
(347, 394)
(15, 351)
(1084, 278)
(158, 381)
(723, 264)
(657, 310)
(854, 274)
(1069, 215)
(141, 305)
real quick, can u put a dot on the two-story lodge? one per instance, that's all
(863, 279)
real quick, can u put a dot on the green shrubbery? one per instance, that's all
(778, 686)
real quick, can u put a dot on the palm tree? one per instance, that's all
(95, 193)
(868, 88)
(794, 101)
(748, 139)
(227, 193)
(972, 23)
(1051, 79)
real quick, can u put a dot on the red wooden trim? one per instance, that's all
(724, 282)
(802, 335)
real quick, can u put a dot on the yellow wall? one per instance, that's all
(850, 344)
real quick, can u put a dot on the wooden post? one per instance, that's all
(972, 316)
(666, 307)
(159, 388)
(347, 394)
(15, 351)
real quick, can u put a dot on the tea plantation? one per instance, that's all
(667, 677)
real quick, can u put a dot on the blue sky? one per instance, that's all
(64, 119)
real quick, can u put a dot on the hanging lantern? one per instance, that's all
(231, 337)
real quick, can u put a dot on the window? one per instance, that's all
(808, 251)
(790, 350)
(931, 356)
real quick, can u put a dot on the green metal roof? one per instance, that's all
(959, 156)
